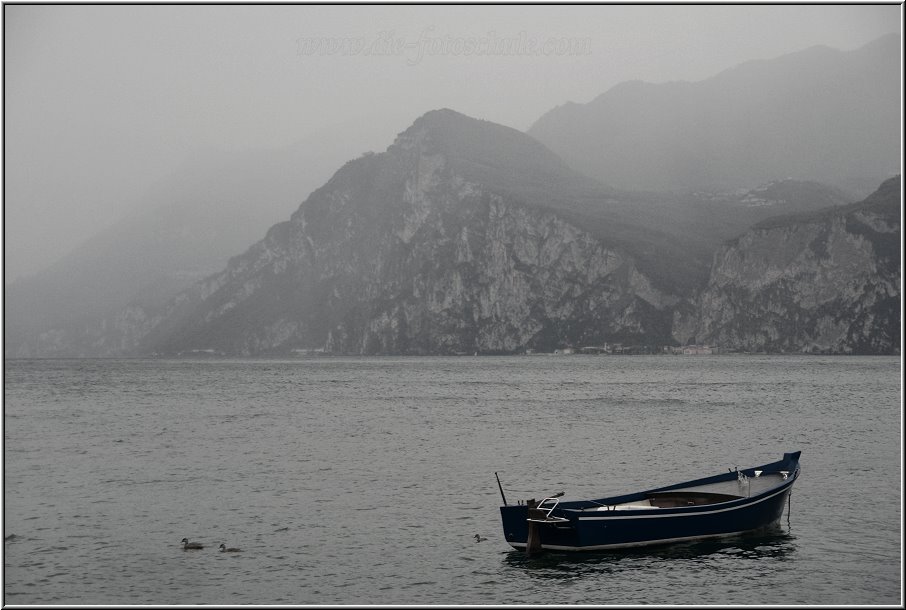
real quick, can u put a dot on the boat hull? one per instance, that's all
(578, 526)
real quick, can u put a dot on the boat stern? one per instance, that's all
(532, 528)
(515, 524)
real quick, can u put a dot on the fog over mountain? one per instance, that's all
(803, 132)
(464, 236)
(187, 226)
(818, 114)
(103, 101)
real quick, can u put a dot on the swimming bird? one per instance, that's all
(479, 538)
(224, 549)
(186, 545)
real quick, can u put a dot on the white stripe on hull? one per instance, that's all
(626, 545)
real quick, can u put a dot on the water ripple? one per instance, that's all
(364, 480)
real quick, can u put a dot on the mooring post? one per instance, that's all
(533, 542)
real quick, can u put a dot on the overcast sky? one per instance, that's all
(102, 101)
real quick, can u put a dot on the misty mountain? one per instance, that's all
(108, 296)
(825, 281)
(185, 228)
(817, 115)
(706, 219)
(673, 236)
(463, 236)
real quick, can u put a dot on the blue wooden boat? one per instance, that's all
(730, 503)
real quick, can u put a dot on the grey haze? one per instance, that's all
(105, 104)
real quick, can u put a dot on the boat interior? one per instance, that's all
(699, 495)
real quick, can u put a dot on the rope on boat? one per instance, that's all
(789, 507)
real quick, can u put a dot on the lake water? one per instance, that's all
(364, 480)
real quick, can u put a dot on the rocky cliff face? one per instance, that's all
(465, 236)
(427, 248)
(824, 282)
